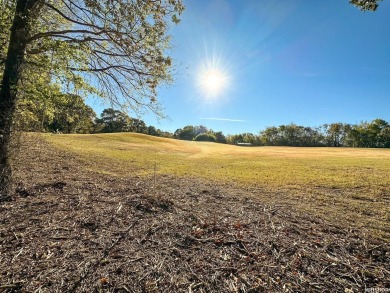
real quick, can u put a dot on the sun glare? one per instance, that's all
(212, 82)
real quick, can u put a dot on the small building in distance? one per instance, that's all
(244, 144)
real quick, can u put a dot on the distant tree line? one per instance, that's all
(374, 134)
(68, 113)
(112, 120)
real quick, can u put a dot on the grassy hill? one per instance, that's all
(121, 153)
(347, 185)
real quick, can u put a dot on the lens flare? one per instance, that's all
(212, 82)
(213, 77)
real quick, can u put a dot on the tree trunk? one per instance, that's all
(8, 92)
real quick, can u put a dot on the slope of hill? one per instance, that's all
(341, 184)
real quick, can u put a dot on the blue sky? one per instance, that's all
(298, 61)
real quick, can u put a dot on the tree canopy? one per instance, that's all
(114, 49)
(366, 5)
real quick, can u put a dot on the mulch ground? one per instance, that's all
(68, 229)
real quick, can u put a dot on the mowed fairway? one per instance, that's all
(350, 187)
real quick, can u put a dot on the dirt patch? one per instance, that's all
(69, 229)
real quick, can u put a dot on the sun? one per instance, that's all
(212, 82)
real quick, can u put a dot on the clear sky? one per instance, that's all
(242, 65)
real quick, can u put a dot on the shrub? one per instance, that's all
(205, 137)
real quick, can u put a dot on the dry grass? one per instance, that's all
(351, 186)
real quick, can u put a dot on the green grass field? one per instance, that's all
(347, 185)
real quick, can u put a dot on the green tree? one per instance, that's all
(72, 115)
(384, 137)
(374, 134)
(381, 128)
(137, 125)
(200, 129)
(220, 137)
(37, 106)
(377, 133)
(366, 5)
(235, 138)
(166, 134)
(311, 137)
(291, 134)
(250, 138)
(269, 136)
(114, 121)
(335, 134)
(187, 133)
(153, 131)
(205, 137)
(55, 112)
(120, 44)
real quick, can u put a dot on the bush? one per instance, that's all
(205, 137)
